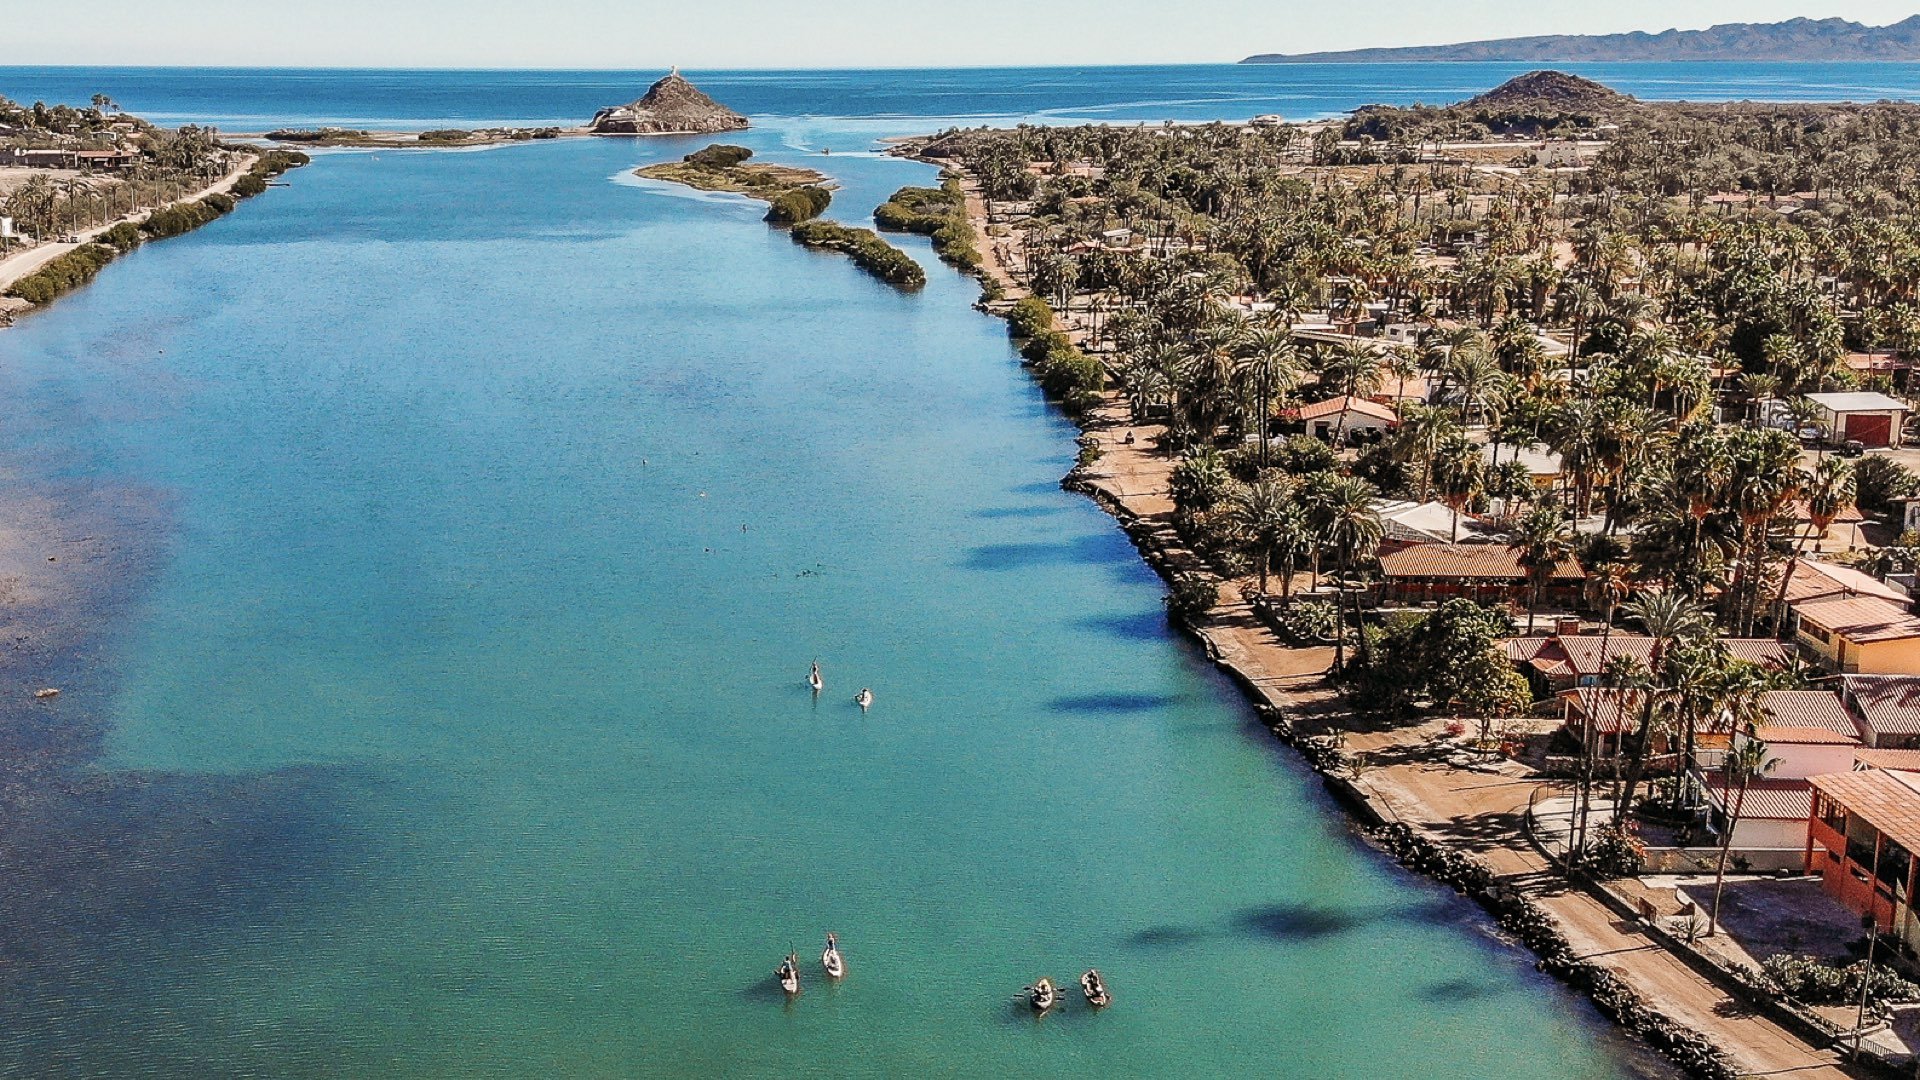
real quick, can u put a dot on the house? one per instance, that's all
(1404, 524)
(1773, 811)
(1542, 464)
(1809, 732)
(1866, 634)
(1815, 580)
(1601, 718)
(1348, 414)
(1863, 827)
(1484, 572)
(1874, 419)
(1564, 661)
(1886, 707)
(106, 160)
(1897, 760)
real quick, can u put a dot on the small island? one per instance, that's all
(672, 106)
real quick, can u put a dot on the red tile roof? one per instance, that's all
(1798, 508)
(1885, 799)
(1885, 704)
(1897, 760)
(1487, 562)
(1861, 618)
(1588, 654)
(1772, 798)
(1811, 710)
(1606, 709)
(1813, 580)
(1337, 405)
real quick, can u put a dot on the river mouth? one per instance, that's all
(443, 709)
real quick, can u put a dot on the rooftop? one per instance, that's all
(1337, 405)
(1489, 562)
(1858, 401)
(1886, 799)
(1807, 711)
(1861, 618)
(1816, 580)
(1897, 760)
(1773, 798)
(1887, 704)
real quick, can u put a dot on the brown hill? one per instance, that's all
(671, 106)
(1551, 89)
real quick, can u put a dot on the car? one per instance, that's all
(1853, 448)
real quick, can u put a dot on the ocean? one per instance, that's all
(460, 528)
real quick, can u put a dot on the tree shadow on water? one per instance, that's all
(1111, 704)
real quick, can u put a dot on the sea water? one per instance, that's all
(481, 513)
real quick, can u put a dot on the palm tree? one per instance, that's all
(1747, 762)
(1271, 366)
(1457, 469)
(1542, 540)
(1343, 514)
(1267, 515)
(1666, 617)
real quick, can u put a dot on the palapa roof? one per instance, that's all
(1336, 405)
(1884, 798)
(1861, 618)
(1489, 562)
(1769, 798)
(1886, 704)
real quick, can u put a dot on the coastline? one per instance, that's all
(23, 263)
(1470, 835)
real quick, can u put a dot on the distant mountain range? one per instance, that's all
(1795, 39)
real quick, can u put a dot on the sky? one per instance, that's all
(625, 34)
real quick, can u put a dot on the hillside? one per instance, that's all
(672, 106)
(1793, 40)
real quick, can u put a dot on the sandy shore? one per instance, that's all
(1473, 811)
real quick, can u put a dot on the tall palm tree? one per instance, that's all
(1747, 762)
(1268, 516)
(1271, 366)
(1542, 540)
(1457, 469)
(1666, 617)
(1343, 514)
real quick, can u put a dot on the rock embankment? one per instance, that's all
(671, 106)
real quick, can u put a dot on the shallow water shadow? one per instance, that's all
(1148, 625)
(1458, 990)
(1017, 511)
(1038, 487)
(1112, 704)
(1095, 550)
(1166, 936)
(1299, 922)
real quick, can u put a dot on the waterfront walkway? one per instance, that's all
(1482, 811)
(21, 263)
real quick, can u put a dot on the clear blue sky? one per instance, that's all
(822, 33)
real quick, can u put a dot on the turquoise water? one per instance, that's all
(482, 512)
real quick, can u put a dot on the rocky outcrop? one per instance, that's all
(671, 106)
(1554, 90)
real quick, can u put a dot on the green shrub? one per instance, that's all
(1816, 982)
(445, 135)
(1192, 595)
(719, 156)
(219, 203)
(123, 237)
(1309, 622)
(63, 274)
(798, 205)
(1029, 317)
(177, 218)
(249, 185)
(867, 250)
(940, 213)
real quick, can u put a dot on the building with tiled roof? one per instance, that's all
(1815, 580)
(1347, 414)
(1863, 828)
(1897, 760)
(1486, 572)
(1887, 708)
(1773, 810)
(1567, 660)
(1807, 732)
(1866, 634)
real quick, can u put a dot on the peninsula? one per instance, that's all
(672, 106)
(1834, 40)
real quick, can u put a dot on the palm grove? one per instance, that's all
(1696, 262)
